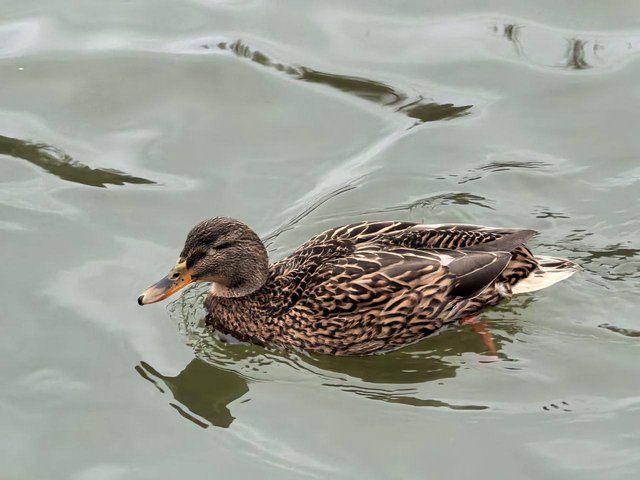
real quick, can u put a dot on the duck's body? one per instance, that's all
(375, 286)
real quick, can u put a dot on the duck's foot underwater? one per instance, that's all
(482, 330)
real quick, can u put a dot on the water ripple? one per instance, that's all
(58, 163)
(418, 107)
(568, 50)
(627, 332)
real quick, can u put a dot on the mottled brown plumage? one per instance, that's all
(356, 289)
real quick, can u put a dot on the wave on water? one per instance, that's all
(58, 163)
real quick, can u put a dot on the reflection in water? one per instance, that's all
(512, 165)
(204, 389)
(511, 32)
(478, 173)
(575, 55)
(55, 161)
(398, 376)
(428, 203)
(435, 201)
(222, 373)
(566, 50)
(614, 263)
(617, 251)
(627, 332)
(420, 108)
(544, 212)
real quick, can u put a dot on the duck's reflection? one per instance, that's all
(400, 376)
(222, 373)
(203, 391)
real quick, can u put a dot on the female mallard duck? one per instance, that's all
(355, 289)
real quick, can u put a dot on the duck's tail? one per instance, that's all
(550, 270)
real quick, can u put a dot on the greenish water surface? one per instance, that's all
(124, 123)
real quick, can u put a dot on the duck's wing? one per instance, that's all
(424, 236)
(466, 237)
(358, 233)
(372, 285)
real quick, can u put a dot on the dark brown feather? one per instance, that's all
(373, 286)
(475, 271)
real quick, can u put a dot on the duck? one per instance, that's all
(357, 289)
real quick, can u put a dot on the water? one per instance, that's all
(122, 124)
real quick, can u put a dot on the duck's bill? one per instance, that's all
(176, 279)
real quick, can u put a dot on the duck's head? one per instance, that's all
(220, 250)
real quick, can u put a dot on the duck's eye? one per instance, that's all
(224, 245)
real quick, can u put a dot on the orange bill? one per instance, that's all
(178, 278)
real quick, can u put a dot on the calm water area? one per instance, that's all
(123, 123)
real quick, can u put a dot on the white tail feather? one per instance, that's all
(551, 270)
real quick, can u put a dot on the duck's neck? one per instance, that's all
(244, 317)
(243, 282)
(223, 291)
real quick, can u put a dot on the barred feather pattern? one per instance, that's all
(374, 286)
